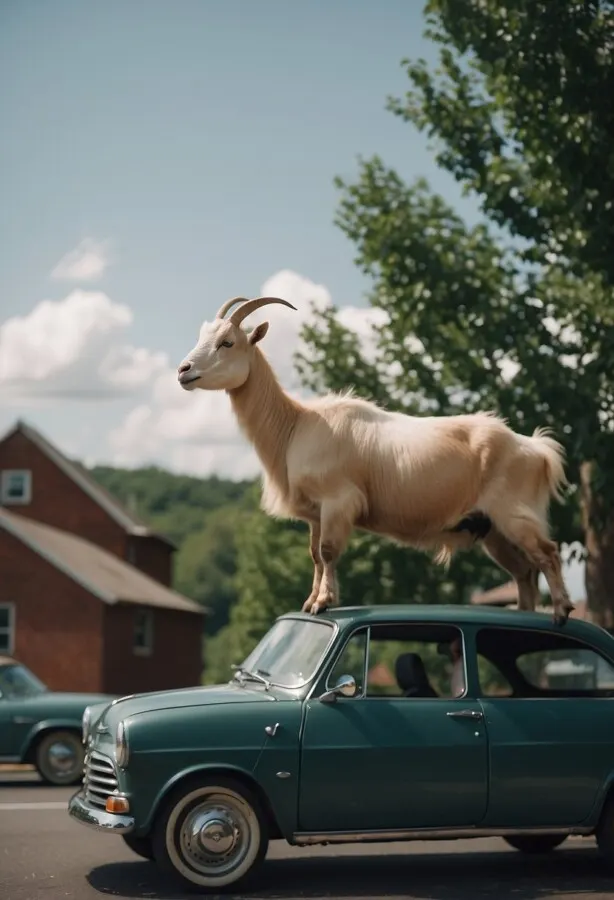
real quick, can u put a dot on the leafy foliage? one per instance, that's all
(200, 515)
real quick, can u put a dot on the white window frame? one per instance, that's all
(5, 479)
(10, 649)
(148, 626)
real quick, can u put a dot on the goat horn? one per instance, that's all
(226, 306)
(252, 305)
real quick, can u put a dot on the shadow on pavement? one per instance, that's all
(431, 876)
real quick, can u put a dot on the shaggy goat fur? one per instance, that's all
(339, 462)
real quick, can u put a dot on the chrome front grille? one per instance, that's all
(99, 778)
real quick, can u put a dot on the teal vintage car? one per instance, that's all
(41, 727)
(381, 723)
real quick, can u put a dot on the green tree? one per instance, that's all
(200, 515)
(206, 565)
(515, 314)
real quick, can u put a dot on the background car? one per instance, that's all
(40, 726)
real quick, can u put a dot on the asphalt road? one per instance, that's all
(43, 854)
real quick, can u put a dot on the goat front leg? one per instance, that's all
(318, 563)
(338, 515)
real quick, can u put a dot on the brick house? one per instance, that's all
(85, 587)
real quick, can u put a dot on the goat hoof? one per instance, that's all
(560, 618)
(308, 604)
(322, 604)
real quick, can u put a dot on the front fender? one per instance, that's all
(143, 825)
(61, 724)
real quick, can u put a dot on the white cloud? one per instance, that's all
(87, 262)
(73, 347)
(196, 432)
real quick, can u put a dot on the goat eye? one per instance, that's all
(226, 344)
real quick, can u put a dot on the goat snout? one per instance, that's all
(185, 374)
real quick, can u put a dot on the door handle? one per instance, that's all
(465, 714)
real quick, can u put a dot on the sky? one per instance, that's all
(157, 158)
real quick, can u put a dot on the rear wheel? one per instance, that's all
(139, 845)
(59, 757)
(212, 833)
(535, 843)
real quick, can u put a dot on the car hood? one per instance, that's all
(202, 695)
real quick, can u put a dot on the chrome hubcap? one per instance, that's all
(62, 758)
(214, 836)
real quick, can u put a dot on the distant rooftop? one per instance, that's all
(79, 474)
(103, 574)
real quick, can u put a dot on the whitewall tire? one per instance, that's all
(211, 833)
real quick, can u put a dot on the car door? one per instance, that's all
(381, 760)
(15, 724)
(550, 727)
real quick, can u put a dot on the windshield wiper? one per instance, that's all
(250, 676)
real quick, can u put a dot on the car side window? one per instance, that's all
(416, 660)
(542, 664)
(493, 682)
(351, 661)
(567, 669)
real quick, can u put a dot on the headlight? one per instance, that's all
(85, 723)
(121, 745)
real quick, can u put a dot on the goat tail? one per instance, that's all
(553, 455)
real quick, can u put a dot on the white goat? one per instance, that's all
(338, 462)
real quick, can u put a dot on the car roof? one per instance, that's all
(459, 614)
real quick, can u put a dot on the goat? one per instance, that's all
(338, 462)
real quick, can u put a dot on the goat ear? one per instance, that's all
(258, 333)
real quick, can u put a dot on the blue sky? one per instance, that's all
(201, 137)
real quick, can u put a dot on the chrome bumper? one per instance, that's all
(81, 812)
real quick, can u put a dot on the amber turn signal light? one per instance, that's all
(117, 805)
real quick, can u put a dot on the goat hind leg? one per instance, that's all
(526, 533)
(517, 564)
(318, 565)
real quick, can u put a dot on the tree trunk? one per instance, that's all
(599, 544)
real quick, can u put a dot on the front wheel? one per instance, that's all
(59, 758)
(535, 843)
(212, 833)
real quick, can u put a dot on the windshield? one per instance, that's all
(17, 682)
(289, 654)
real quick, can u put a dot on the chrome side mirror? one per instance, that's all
(345, 687)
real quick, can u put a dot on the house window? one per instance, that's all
(16, 486)
(7, 628)
(143, 632)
